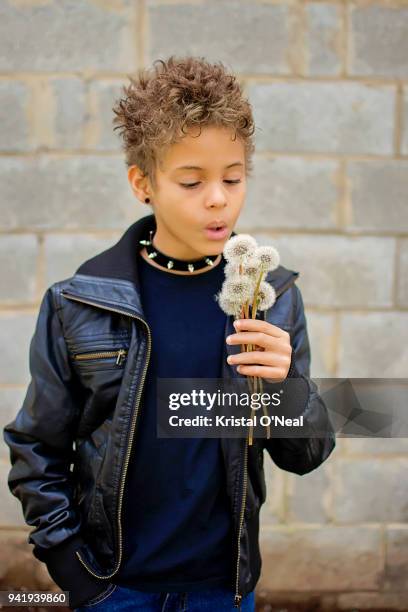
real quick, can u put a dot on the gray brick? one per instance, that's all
(404, 143)
(64, 253)
(373, 601)
(18, 259)
(371, 346)
(396, 560)
(69, 112)
(371, 490)
(340, 118)
(16, 330)
(321, 330)
(309, 496)
(379, 193)
(291, 193)
(340, 446)
(338, 271)
(379, 40)
(84, 192)
(19, 569)
(272, 511)
(323, 559)
(247, 36)
(11, 513)
(11, 399)
(376, 446)
(14, 106)
(103, 95)
(71, 35)
(323, 39)
(403, 274)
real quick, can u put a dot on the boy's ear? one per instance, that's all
(139, 184)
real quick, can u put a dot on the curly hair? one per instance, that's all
(175, 95)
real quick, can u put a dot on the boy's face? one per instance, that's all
(217, 192)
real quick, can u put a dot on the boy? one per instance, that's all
(143, 522)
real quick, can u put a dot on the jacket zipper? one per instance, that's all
(120, 354)
(132, 430)
(238, 595)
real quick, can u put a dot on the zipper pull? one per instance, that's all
(121, 355)
(237, 601)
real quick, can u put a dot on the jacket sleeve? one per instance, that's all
(40, 439)
(302, 454)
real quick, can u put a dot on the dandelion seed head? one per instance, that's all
(239, 246)
(268, 257)
(251, 267)
(266, 296)
(230, 307)
(238, 288)
(231, 268)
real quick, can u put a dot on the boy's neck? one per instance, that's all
(143, 253)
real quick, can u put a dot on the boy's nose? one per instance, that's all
(218, 201)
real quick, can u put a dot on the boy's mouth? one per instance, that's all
(216, 230)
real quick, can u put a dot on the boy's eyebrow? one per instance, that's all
(237, 163)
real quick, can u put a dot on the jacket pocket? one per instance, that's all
(107, 358)
(99, 351)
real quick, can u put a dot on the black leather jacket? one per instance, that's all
(70, 441)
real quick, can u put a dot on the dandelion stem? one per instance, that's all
(254, 303)
(251, 384)
(268, 427)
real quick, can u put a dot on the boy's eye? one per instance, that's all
(191, 185)
(188, 185)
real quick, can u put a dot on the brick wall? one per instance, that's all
(329, 86)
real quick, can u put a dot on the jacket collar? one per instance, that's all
(111, 278)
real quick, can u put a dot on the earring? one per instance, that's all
(147, 200)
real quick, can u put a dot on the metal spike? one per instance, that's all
(209, 261)
(152, 255)
(191, 267)
(170, 264)
(145, 242)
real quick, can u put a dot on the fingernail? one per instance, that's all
(229, 359)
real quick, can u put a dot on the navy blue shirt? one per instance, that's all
(177, 519)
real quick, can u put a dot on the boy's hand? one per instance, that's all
(274, 352)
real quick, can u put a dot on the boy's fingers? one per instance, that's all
(264, 341)
(260, 326)
(260, 357)
(269, 373)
